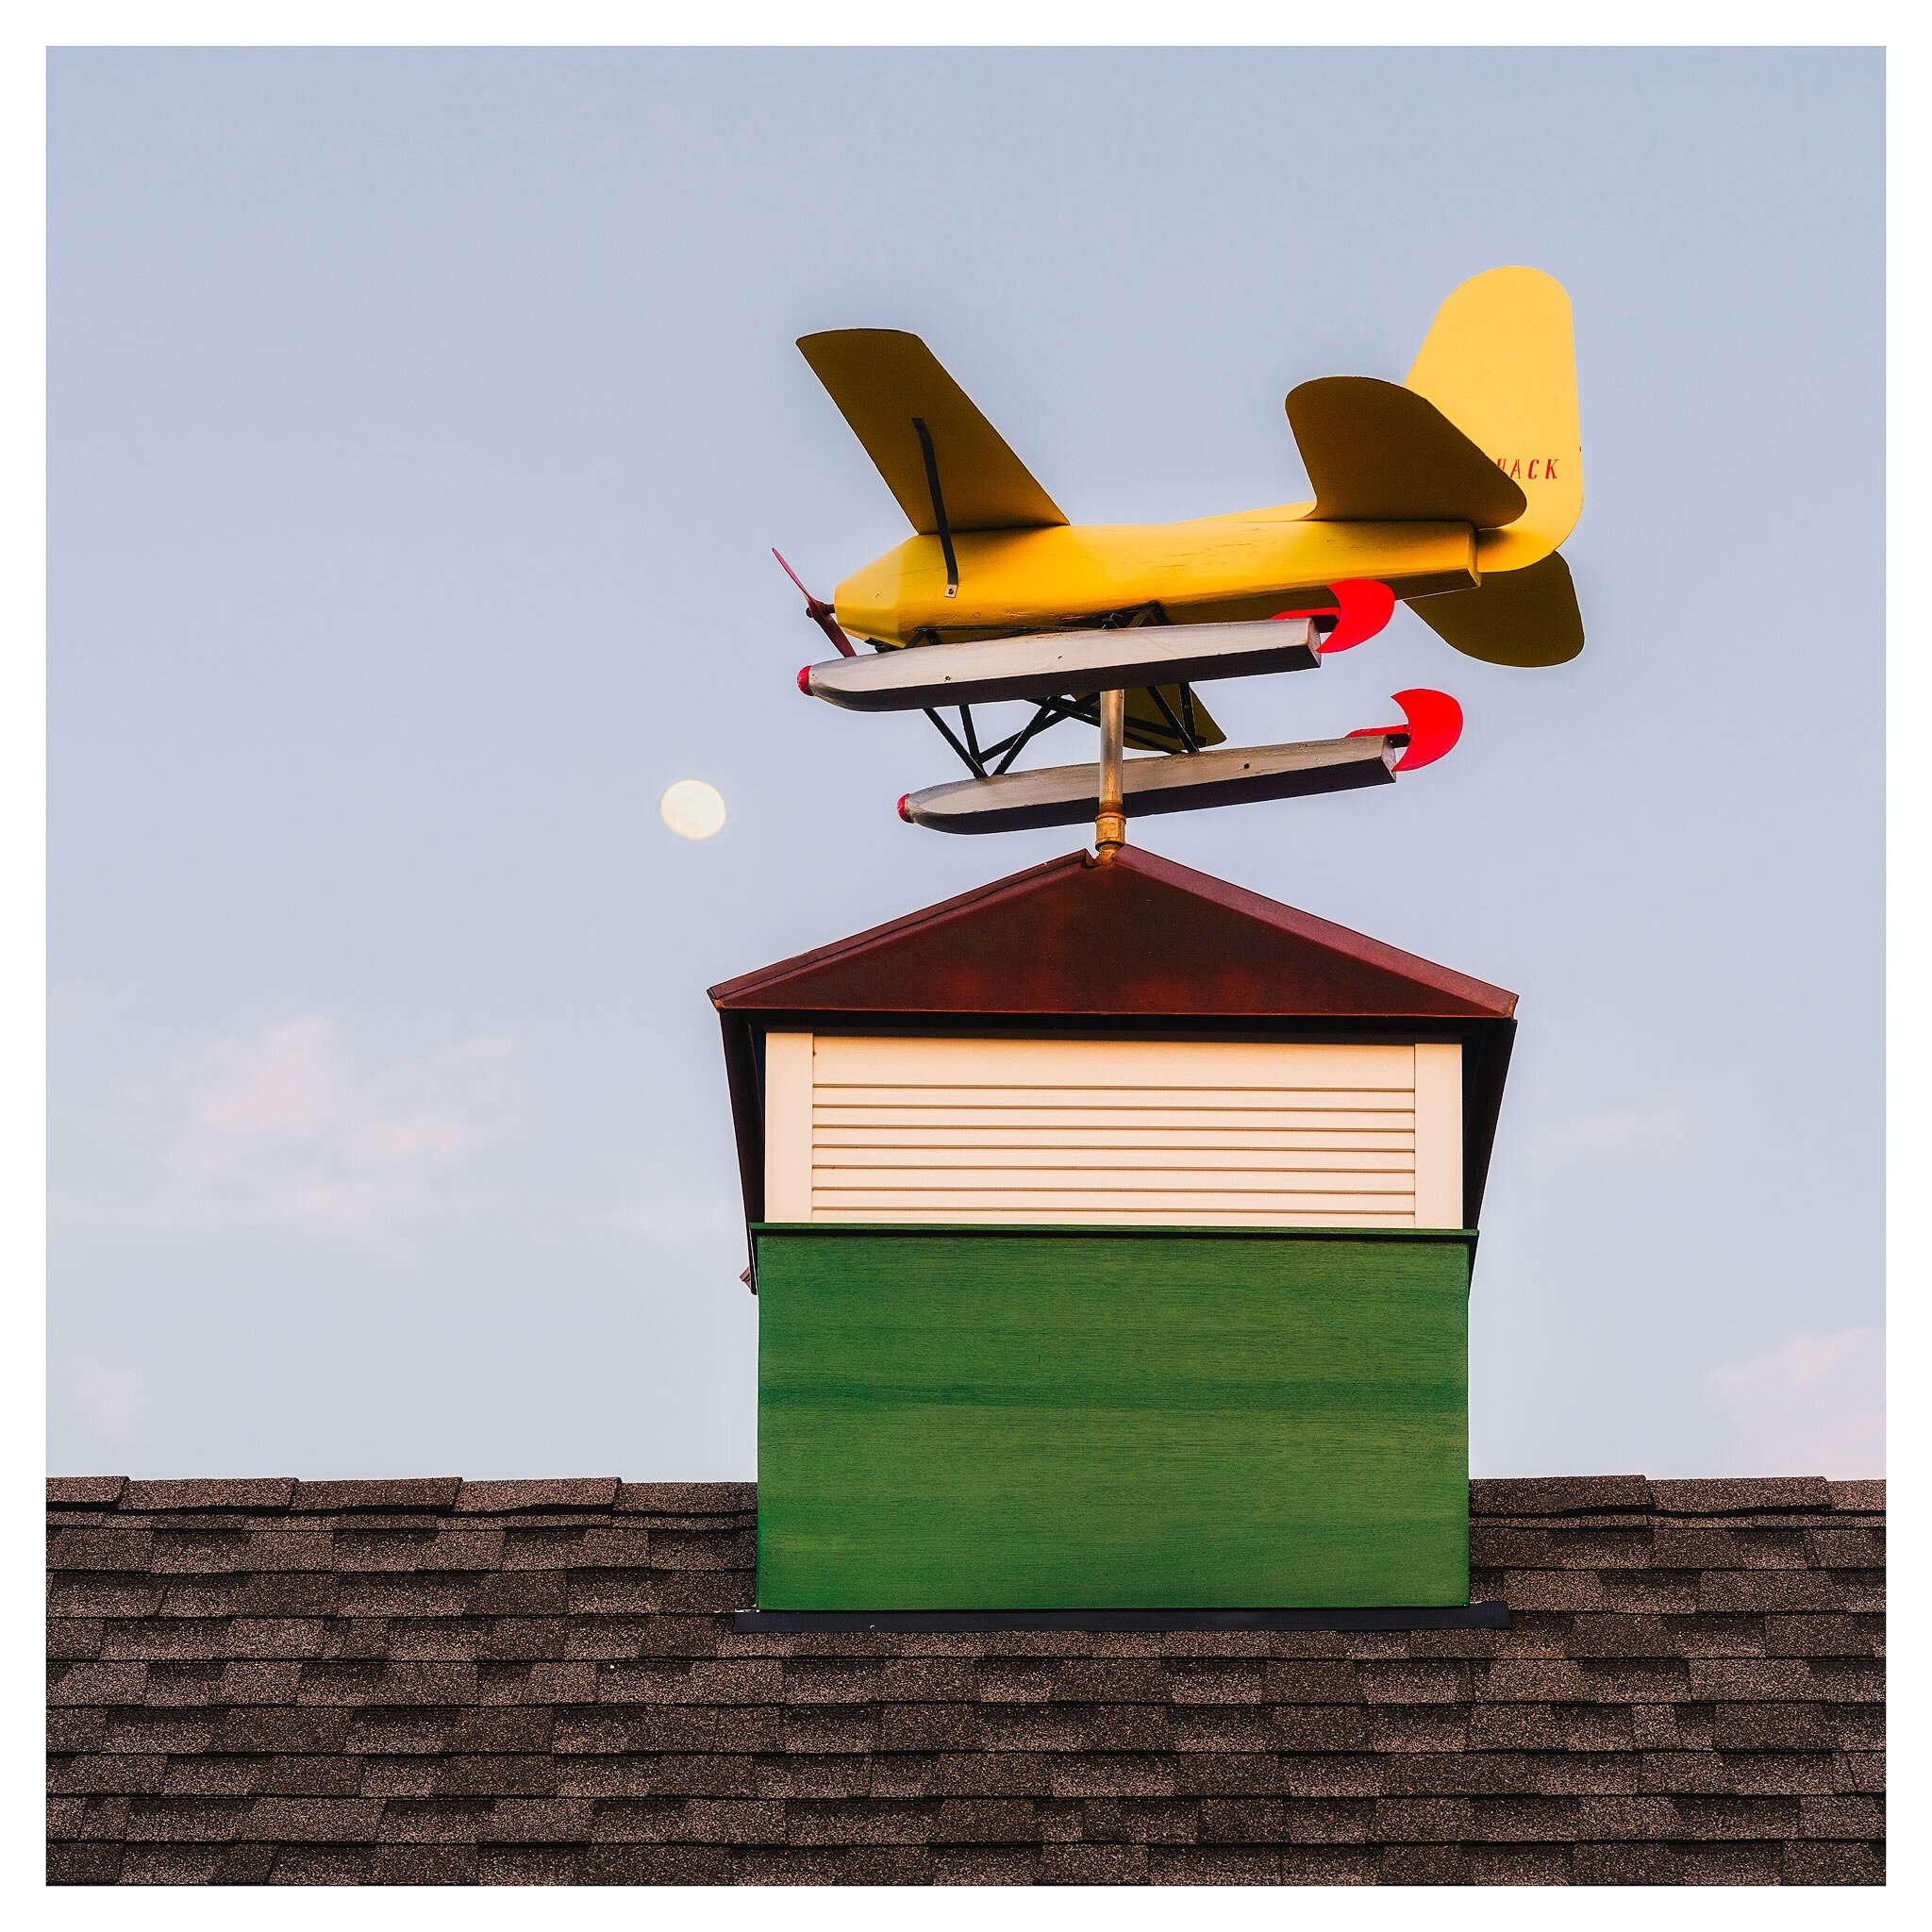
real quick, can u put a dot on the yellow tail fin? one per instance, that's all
(1500, 362)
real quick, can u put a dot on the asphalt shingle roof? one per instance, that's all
(435, 1681)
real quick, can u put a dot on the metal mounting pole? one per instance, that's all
(1111, 821)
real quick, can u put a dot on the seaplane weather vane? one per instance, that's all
(1449, 491)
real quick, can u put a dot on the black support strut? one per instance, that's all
(938, 506)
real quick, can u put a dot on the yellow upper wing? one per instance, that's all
(885, 382)
(1379, 453)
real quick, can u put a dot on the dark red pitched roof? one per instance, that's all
(1140, 936)
(446, 1682)
(1141, 939)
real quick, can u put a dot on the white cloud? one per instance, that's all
(1813, 1406)
(112, 1401)
(286, 1127)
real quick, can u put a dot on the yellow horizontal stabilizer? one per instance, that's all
(1377, 453)
(1522, 617)
(886, 383)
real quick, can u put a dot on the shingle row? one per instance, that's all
(441, 1681)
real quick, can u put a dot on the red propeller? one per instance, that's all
(1432, 722)
(1360, 608)
(821, 614)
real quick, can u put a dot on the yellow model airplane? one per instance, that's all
(1449, 492)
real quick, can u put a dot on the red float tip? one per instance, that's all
(805, 680)
(1361, 608)
(1365, 606)
(1432, 723)
(901, 808)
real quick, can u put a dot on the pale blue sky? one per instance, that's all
(419, 425)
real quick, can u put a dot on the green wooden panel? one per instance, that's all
(1059, 1418)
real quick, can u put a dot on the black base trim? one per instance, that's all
(1428, 1617)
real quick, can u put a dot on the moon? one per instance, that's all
(693, 809)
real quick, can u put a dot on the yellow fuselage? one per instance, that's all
(1216, 570)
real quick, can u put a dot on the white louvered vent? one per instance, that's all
(1172, 1132)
